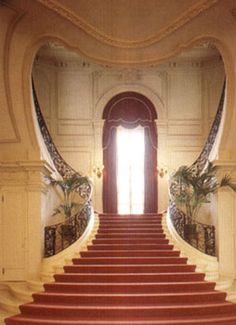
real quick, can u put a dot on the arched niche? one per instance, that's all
(155, 98)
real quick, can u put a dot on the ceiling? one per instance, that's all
(129, 23)
(56, 53)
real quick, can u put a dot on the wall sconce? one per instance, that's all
(98, 170)
(161, 171)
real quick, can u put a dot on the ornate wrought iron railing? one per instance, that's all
(60, 164)
(204, 239)
(203, 158)
(61, 235)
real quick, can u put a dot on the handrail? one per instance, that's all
(203, 158)
(204, 240)
(205, 234)
(64, 169)
(61, 235)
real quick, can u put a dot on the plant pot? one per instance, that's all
(190, 233)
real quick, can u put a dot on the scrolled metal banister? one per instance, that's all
(64, 169)
(206, 238)
(203, 158)
(205, 234)
(60, 236)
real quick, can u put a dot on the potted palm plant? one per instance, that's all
(71, 200)
(190, 189)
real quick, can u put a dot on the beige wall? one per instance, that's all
(185, 94)
(25, 25)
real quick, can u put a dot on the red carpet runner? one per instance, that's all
(130, 275)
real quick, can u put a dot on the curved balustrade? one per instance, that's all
(205, 234)
(61, 235)
(204, 240)
(60, 164)
(203, 158)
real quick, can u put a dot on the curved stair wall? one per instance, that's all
(205, 263)
(14, 294)
(54, 264)
(129, 274)
(178, 217)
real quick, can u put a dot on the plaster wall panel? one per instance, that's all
(74, 141)
(44, 87)
(178, 157)
(8, 126)
(183, 128)
(74, 96)
(13, 231)
(154, 80)
(184, 141)
(184, 95)
(77, 129)
(80, 160)
(214, 79)
(105, 80)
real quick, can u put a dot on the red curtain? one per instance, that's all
(109, 175)
(150, 173)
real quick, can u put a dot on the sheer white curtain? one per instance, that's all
(130, 170)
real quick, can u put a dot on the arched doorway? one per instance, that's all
(129, 111)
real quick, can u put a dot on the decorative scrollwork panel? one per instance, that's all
(62, 235)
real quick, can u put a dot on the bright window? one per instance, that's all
(130, 170)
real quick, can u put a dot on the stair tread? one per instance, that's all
(128, 284)
(213, 292)
(116, 281)
(130, 273)
(221, 320)
(112, 265)
(127, 307)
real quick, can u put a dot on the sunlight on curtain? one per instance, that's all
(130, 170)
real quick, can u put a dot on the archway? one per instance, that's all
(129, 110)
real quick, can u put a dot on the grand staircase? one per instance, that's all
(129, 275)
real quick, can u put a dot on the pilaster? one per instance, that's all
(25, 180)
(98, 162)
(226, 224)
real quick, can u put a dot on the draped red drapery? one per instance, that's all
(109, 175)
(129, 109)
(150, 173)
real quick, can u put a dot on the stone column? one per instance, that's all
(36, 190)
(162, 161)
(24, 181)
(98, 162)
(226, 221)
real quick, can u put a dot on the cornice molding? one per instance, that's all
(96, 33)
(26, 166)
(25, 174)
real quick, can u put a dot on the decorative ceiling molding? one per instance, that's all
(17, 15)
(184, 18)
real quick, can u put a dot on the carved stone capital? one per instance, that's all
(26, 174)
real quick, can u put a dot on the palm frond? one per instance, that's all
(190, 188)
(227, 181)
